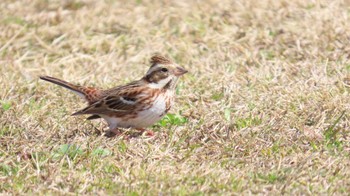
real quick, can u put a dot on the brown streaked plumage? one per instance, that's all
(138, 104)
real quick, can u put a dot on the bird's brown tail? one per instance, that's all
(75, 88)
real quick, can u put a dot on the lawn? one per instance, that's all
(264, 108)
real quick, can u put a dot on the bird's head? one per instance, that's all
(163, 73)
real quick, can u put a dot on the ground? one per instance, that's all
(264, 108)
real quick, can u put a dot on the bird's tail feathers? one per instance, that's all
(75, 88)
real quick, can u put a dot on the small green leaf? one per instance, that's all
(8, 170)
(100, 152)
(122, 147)
(71, 150)
(15, 20)
(331, 134)
(6, 105)
(172, 119)
(347, 66)
(241, 123)
(228, 114)
(217, 96)
(132, 193)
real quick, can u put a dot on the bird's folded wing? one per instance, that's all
(115, 104)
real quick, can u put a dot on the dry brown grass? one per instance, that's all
(268, 85)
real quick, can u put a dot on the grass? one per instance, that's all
(263, 110)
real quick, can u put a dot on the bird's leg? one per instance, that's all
(113, 132)
(149, 133)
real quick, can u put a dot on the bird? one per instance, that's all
(138, 104)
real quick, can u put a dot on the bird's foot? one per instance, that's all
(113, 133)
(117, 133)
(146, 132)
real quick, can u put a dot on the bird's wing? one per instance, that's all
(118, 101)
(118, 105)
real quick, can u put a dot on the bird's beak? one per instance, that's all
(179, 71)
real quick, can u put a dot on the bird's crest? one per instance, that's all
(159, 59)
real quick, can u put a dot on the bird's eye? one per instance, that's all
(164, 70)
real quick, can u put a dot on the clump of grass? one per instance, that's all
(6, 105)
(172, 120)
(330, 134)
(69, 150)
(100, 152)
(241, 123)
(260, 111)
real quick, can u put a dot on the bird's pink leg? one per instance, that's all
(113, 132)
(149, 133)
(116, 131)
